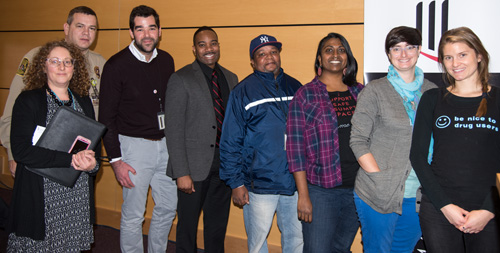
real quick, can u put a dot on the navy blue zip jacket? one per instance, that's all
(252, 145)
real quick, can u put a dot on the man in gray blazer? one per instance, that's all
(195, 100)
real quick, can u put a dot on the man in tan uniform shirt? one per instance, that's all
(80, 30)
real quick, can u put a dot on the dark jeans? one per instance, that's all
(334, 221)
(442, 237)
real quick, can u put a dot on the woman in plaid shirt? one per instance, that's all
(318, 152)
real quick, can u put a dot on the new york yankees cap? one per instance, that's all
(263, 40)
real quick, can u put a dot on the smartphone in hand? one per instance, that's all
(80, 143)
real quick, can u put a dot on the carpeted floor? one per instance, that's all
(106, 239)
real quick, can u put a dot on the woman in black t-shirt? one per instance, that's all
(459, 210)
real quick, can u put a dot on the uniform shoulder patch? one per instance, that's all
(23, 67)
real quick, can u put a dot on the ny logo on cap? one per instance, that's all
(264, 39)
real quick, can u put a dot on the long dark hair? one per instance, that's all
(349, 78)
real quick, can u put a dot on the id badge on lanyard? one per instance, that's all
(284, 145)
(161, 120)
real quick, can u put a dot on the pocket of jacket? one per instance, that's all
(376, 186)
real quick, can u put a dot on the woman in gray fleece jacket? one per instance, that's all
(386, 186)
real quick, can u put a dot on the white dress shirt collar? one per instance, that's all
(138, 53)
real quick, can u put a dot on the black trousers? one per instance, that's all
(214, 198)
(442, 237)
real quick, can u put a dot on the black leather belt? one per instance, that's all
(152, 139)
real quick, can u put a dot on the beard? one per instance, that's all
(142, 49)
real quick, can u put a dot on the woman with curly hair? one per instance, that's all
(46, 216)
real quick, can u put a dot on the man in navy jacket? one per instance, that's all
(252, 148)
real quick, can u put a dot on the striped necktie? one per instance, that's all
(218, 105)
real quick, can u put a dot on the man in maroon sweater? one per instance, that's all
(134, 82)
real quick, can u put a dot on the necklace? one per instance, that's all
(59, 101)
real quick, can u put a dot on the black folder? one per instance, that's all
(61, 134)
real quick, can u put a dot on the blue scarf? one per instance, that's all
(410, 92)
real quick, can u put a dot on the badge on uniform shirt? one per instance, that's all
(23, 67)
(93, 82)
(95, 101)
(97, 73)
(94, 95)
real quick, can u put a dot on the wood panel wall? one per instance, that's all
(299, 25)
